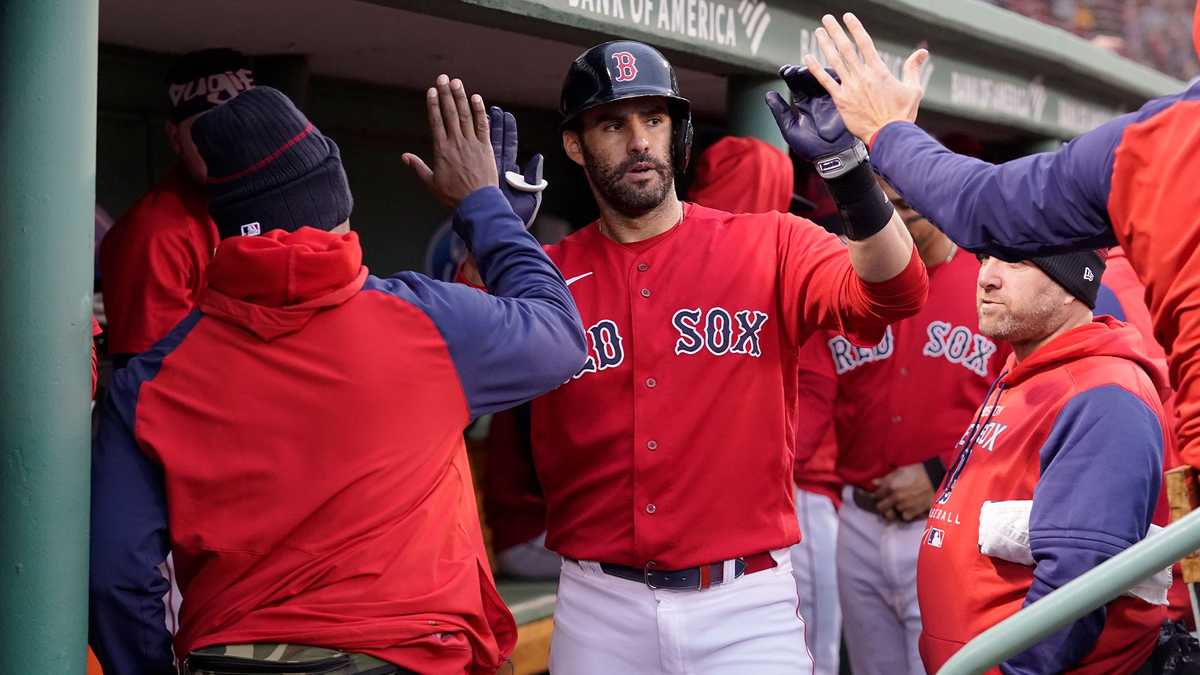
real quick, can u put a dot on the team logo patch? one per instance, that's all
(935, 538)
(251, 229)
(626, 65)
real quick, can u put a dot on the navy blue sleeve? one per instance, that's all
(1101, 473)
(1037, 205)
(1108, 303)
(129, 538)
(521, 341)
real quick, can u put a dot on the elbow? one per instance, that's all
(571, 352)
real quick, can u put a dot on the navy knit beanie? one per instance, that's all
(1078, 272)
(269, 167)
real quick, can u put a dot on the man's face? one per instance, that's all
(918, 225)
(625, 148)
(180, 137)
(1017, 301)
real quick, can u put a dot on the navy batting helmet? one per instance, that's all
(623, 69)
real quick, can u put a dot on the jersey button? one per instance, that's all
(651, 383)
(653, 445)
(903, 370)
(642, 267)
(896, 419)
(645, 292)
(650, 508)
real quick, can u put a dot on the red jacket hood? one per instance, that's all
(1105, 336)
(743, 175)
(272, 285)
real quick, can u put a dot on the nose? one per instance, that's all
(989, 274)
(639, 138)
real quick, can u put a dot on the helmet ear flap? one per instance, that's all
(681, 151)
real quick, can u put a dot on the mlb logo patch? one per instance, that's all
(935, 538)
(251, 229)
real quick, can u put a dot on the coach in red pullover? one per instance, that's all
(296, 441)
(1076, 425)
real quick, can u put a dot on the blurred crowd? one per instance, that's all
(1156, 33)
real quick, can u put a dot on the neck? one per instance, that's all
(935, 249)
(1022, 350)
(628, 229)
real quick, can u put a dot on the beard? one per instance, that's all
(626, 199)
(1026, 323)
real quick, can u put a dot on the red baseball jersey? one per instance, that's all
(905, 400)
(152, 263)
(672, 445)
(815, 468)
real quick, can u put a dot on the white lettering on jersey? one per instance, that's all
(718, 331)
(960, 346)
(847, 357)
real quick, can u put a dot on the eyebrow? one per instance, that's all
(647, 111)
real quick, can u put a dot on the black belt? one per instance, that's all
(691, 578)
(864, 501)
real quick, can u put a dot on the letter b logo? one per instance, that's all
(626, 66)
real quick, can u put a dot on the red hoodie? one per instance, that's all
(303, 430)
(1078, 428)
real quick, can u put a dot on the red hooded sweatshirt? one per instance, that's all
(297, 441)
(1078, 428)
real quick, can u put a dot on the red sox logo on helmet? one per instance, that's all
(626, 66)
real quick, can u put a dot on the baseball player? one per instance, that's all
(746, 175)
(152, 261)
(666, 460)
(1130, 181)
(1073, 431)
(297, 440)
(894, 446)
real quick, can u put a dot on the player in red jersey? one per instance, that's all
(894, 446)
(152, 261)
(666, 460)
(1073, 433)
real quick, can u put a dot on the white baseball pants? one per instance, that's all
(604, 625)
(877, 582)
(814, 566)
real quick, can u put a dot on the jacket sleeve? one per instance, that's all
(1037, 205)
(820, 288)
(521, 341)
(126, 617)
(1101, 473)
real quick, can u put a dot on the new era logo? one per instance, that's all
(1088, 275)
(251, 229)
(935, 537)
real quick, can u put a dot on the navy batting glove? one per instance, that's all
(521, 187)
(811, 125)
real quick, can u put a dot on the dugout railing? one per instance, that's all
(1077, 598)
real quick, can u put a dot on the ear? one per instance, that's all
(573, 145)
(172, 131)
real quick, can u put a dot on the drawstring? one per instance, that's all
(976, 431)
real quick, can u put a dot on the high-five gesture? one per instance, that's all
(463, 160)
(868, 96)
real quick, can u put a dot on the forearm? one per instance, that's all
(884, 254)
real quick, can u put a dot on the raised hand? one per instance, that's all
(866, 93)
(463, 161)
(810, 122)
(522, 187)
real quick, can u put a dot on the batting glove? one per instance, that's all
(522, 187)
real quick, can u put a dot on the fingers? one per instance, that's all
(418, 165)
(911, 72)
(447, 108)
(510, 142)
(533, 170)
(851, 62)
(862, 39)
(496, 132)
(434, 110)
(462, 107)
(781, 109)
(480, 118)
(831, 85)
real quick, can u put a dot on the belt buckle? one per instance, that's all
(646, 571)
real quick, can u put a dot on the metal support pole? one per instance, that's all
(1095, 588)
(748, 112)
(47, 195)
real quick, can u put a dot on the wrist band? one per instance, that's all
(864, 207)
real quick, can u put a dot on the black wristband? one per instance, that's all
(935, 470)
(864, 207)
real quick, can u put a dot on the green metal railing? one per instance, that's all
(1097, 587)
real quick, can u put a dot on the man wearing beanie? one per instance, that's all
(296, 441)
(152, 261)
(1059, 470)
